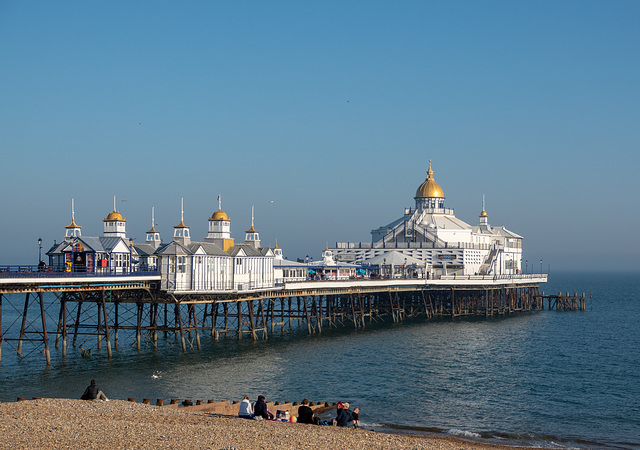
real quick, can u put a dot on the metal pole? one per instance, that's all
(24, 322)
(47, 355)
(0, 326)
(106, 326)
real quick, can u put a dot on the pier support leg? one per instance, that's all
(24, 323)
(0, 327)
(139, 325)
(45, 338)
(77, 324)
(195, 325)
(239, 311)
(154, 307)
(116, 322)
(99, 324)
(106, 326)
(59, 328)
(179, 323)
(63, 305)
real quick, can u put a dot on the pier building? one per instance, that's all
(107, 289)
(215, 264)
(428, 240)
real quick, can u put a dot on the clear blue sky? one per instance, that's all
(324, 116)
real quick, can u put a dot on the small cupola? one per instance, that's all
(327, 256)
(484, 217)
(219, 224)
(277, 252)
(252, 236)
(181, 231)
(429, 194)
(153, 236)
(114, 223)
(72, 230)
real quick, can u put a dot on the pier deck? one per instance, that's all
(92, 311)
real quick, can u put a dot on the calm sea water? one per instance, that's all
(550, 379)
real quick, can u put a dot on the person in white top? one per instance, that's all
(246, 409)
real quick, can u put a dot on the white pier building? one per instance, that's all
(430, 241)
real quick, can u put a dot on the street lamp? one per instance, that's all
(39, 250)
(526, 265)
(540, 267)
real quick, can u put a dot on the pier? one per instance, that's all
(87, 311)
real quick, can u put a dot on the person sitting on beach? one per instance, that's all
(93, 392)
(305, 413)
(260, 409)
(356, 417)
(246, 410)
(345, 416)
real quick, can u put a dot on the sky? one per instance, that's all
(324, 117)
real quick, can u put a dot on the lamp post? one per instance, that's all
(526, 265)
(540, 267)
(39, 250)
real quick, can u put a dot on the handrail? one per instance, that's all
(54, 272)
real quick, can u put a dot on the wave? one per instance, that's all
(498, 438)
(463, 433)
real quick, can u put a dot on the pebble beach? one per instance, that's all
(65, 423)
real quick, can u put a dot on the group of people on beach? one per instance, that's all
(345, 417)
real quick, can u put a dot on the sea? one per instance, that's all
(542, 379)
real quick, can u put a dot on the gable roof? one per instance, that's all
(172, 248)
(244, 250)
(209, 248)
(144, 249)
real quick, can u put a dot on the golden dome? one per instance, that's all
(152, 230)
(73, 224)
(220, 215)
(430, 188)
(181, 225)
(484, 214)
(251, 230)
(114, 215)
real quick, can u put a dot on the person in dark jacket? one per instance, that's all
(260, 409)
(305, 413)
(93, 392)
(345, 416)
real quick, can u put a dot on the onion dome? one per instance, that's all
(430, 188)
(483, 214)
(181, 225)
(73, 224)
(251, 230)
(114, 215)
(220, 215)
(152, 230)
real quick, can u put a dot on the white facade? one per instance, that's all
(444, 244)
(217, 263)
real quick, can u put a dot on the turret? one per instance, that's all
(220, 228)
(181, 231)
(114, 223)
(153, 236)
(72, 230)
(252, 236)
(429, 194)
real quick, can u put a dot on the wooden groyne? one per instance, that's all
(226, 407)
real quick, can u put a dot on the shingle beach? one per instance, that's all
(64, 423)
